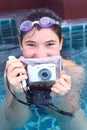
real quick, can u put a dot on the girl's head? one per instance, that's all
(40, 34)
(37, 14)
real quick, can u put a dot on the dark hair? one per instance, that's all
(36, 14)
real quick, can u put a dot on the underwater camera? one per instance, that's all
(42, 73)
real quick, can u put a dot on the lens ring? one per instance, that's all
(44, 74)
(26, 26)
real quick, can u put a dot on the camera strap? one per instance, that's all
(60, 111)
(8, 85)
(42, 98)
(30, 101)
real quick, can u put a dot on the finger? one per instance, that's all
(62, 72)
(9, 62)
(17, 72)
(58, 91)
(66, 78)
(54, 89)
(64, 84)
(12, 65)
(60, 87)
(16, 80)
(21, 77)
(21, 57)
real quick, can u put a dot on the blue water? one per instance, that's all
(40, 119)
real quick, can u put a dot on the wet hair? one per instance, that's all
(36, 14)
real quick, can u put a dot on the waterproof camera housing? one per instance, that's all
(43, 72)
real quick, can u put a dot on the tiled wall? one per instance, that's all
(8, 31)
(75, 35)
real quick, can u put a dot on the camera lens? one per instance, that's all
(44, 74)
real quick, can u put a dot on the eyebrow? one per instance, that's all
(45, 41)
(30, 41)
(51, 41)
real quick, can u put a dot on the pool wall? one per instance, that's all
(75, 34)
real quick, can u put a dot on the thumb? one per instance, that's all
(62, 72)
(21, 57)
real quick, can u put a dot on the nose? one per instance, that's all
(41, 52)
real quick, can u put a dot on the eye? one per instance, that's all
(50, 44)
(31, 44)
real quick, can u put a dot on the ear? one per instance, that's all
(61, 42)
(20, 43)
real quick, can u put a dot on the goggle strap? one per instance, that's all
(35, 22)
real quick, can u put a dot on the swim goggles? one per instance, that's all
(44, 22)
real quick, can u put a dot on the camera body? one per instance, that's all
(42, 72)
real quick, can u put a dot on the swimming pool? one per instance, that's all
(42, 120)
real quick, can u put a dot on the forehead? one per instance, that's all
(42, 34)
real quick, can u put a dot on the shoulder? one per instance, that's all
(69, 63)
(73, 69)
(72, 65)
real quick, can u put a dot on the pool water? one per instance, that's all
(40, 119)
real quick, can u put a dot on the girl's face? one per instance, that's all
(43, 43)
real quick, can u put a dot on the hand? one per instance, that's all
(62, 85)
(15, 72)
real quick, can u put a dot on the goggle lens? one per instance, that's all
(26, 26)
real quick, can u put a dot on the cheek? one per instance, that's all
(55, 51)
(27, 53)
